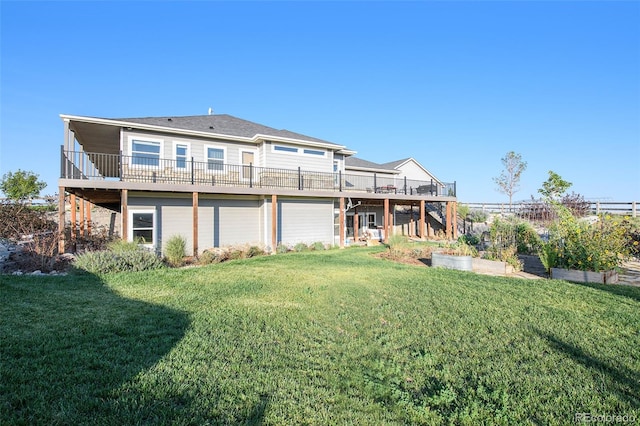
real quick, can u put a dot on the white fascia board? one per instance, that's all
(270, 138)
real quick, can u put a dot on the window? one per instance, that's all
(215, 158)
(314, 152)
(283, 148)
(181, 153)
(142, 228)
(145, 152)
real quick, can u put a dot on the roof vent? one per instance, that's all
(169, 119)
(211, 127)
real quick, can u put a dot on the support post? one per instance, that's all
(411, 224)
(422, 219)
(61, 219)
(274, 223)
(74, 219)
(356, 225)
(82, 234)
(89, 206)
(386, 220)
(448, 220)
(195, 223)
(455, 220)
(342, 222)
(124, 213)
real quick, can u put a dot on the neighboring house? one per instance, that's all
(218, 180)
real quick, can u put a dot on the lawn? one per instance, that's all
(330, 337)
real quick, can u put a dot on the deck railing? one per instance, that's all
(100, 166)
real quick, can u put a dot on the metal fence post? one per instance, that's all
(340, 179)
(250, 175)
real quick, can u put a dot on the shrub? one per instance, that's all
(207, 257)
(513, 232)
(599, 246)
(471, 239)
(282, 248)
(39, 234)
(300, 247)
(176, 250)
(254, 251)
(236, 253)
(477, 216)
(318, 246)
(120, 257)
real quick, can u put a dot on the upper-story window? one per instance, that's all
(284, 148)
(146, 152)
(215, 158)
(294, 150)
(181, 153)
(314, 152)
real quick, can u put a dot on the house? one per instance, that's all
(218, 180)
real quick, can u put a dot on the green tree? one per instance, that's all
(509, 180)
(554, 187)
(21, 185)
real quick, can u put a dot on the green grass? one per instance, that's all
(327, 337)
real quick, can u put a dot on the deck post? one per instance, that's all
(633, 209)
(82, 234)
(274, 223)
(61, 219)
(74, 219)
(89, 218)
(124, 200)
(448, 220)
(454, 214)
(386, 220)
(356, 225)
(341, 219)
(195, 223)
(422, 219)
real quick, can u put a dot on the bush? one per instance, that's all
(575, 244)
(513, 232)
(471, 239)
(318, 246)
(39, 234)
(119, 257)
(176, 250)
(254, 251)
(207, 257)
(300, 247)
(477, 216)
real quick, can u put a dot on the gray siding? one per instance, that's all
(284, 160)
(305, 221)
(174, 216)
(228, 221)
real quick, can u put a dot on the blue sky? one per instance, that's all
(456, 85)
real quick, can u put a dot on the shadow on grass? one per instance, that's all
(625, 381)
(72, 348)
(617, 289)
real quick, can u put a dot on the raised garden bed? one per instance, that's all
(574, 275)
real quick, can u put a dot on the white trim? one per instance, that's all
(242, 165)
(154, 229)
(174, 156)
(144, 139)
(206, 157)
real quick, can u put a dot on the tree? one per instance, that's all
(554, 187)
(21, 185)
(509, 180)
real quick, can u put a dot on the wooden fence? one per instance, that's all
(629, 208)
